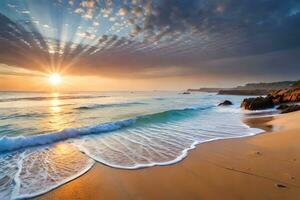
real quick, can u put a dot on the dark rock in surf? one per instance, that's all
(291, 108)
(225, 103)
(258, 103)
(282, 107)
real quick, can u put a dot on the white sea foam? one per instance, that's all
(48, 167)
(158, 143)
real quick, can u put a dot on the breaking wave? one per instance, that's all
(14, 143)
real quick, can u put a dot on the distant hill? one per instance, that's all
(251, 88)
(206, 90)
(266, 86)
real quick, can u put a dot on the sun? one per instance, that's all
(55, 79)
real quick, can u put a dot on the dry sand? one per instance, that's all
(265, 166)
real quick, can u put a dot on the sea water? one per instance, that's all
(50, 139)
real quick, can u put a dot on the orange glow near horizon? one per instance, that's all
(73, 83)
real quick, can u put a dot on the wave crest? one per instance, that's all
(14, 143)
(96, 106)
(46, 98)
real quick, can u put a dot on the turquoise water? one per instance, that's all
(50, 139)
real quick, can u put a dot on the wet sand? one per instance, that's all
(265, 166)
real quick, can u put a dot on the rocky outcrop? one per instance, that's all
(282, 107)
(288, 95)
(225, 103)
(288, 108)
(277, 97)
(258, 103)
(296, 83)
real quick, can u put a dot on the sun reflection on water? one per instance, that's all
(55, 106)
(63, 148)
(56, 120)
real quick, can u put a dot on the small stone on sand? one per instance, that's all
(281, 185)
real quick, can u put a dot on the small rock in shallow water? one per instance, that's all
(225, 103)
(186, 93)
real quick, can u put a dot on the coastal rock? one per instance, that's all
(281, 185)
(296, 84)
(258, 103)
(288, 95)
(186, 93)
(282, 107)
(225, 103)
(291, 108)
(246, 92)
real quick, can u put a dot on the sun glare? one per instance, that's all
(55, 79)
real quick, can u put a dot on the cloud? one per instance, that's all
(142, 39)
(96, 23)
(261, 22)
(88, 14)
(79, 10)
(88, 4)
(138, 11)
(87, 35)
(123, 11)
(136, 30)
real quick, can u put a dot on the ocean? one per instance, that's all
(49, 139)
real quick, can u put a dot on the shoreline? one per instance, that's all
(102, 181)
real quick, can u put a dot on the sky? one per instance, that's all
(147, 44)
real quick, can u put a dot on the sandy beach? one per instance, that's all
(265, 166)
